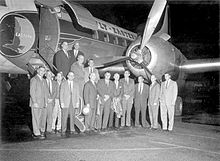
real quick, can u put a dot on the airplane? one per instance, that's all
(32, 30)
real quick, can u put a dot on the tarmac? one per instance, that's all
(189, 141)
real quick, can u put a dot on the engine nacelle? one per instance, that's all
(159, 55)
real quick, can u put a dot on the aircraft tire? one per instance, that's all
(178, 106)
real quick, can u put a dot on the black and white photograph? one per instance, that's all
(109, 80)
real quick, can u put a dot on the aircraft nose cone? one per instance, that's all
(17, 35)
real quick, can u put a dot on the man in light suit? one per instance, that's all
(51, 94)
(38, 101)
(105, 91)
(62, 59)
(153, 102)
(90, 99)
(69, 101)
(91, 69)
(57, 110)
(127, 99)
(79, 72)
(116, 101)
(168, 97)
(140, 102)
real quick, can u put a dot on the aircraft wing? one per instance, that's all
(103, 62)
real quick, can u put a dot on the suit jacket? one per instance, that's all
(168, 94)
(103, 89)
(65, 94)
(154, 94)
(87, 74)
(119, 91)
(57, 90)
(62, 62)
(128, 87)
(54, 90)
(38, 92)
(90, 94)
(79, 76)
(141, 98)
(79, 72)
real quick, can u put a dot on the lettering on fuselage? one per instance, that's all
(115, 30)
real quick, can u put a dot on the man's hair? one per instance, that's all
(127, 71)
(141, 76)
(89, 60)
(61, 73)
(62, 44)
(41, 66)
(80, 54)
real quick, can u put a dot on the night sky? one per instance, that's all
(194, 26)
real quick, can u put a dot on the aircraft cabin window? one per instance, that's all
(95, 35)
(106, 38)
(101, 35)
(124, 43)
(128, 42)
(115, 40)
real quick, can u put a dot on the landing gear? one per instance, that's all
(178, 106)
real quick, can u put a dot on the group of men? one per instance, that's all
(109, 102)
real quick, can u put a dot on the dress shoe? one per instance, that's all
(53, 131)
(35, 136)
(73, 132)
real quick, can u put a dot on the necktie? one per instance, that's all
(49, 86)
(116, 83)
(66, 54)
(71, 87)
(127, 80)
(166, 84)
(140, 88)
(90, 70)
(75, 52)
(107, 83)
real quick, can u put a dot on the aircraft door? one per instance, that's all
(48, 34)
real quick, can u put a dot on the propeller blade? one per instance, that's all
(152, 20)
(104, 62)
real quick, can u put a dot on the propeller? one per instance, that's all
(152, 20)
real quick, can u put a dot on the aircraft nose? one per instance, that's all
(17, 35)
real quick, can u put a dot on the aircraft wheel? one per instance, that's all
(178, 106)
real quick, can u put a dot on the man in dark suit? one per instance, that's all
(168, 95)
(38, 101)
(153, 102)
(90, 99)
(140, 102)
(91, 69)
(75, 52)
(105, 91)
(69, 101)
(62, 59)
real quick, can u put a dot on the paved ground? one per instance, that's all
(188, 142)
